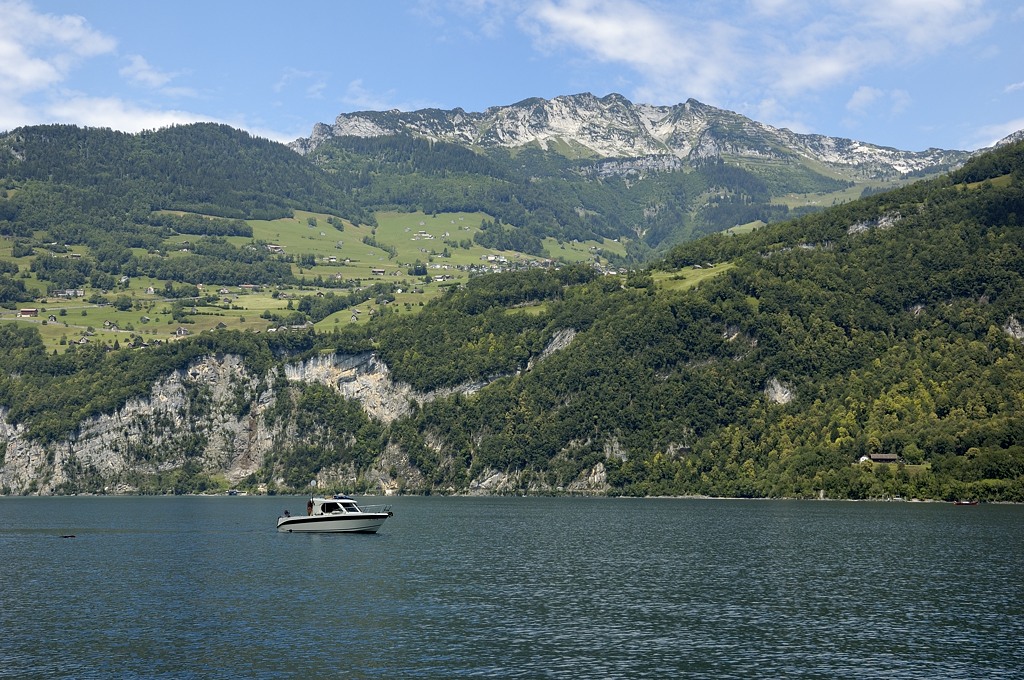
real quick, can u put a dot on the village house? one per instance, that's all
(28, 312)
(880, 458)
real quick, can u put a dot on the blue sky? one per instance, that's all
(911, 74)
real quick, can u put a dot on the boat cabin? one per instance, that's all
(333, 506)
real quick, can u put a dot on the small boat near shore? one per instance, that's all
(965, 502)
(338, 514)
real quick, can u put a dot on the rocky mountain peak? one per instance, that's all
(584, 125)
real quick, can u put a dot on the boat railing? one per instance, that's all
(375, 508)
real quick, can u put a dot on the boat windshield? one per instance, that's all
(328, 507)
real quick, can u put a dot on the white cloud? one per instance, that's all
(673, 54)
(866, 100)
(116, 113)
(38, 50)
(925, 26)
(13, 113)
(140, 72)
(847, 38)
(783, 48)
(356, 95)
(772, 111)
(1013, 87)
(863, 99)
(38, 54)
(624, 31)
(988, 135)
(359, 98)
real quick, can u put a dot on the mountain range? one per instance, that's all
(586, 126)
(870, 348)
(572, 168)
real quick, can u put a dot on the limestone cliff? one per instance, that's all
(218, 417)
(211, 411)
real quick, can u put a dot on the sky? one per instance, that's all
(910, 74)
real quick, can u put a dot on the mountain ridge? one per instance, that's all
(584, 125)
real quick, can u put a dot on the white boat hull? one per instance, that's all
(366, 523)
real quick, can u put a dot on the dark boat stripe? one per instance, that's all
(331, 518)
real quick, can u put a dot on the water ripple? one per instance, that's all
(515, 588)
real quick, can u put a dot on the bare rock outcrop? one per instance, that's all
(1014, 328)
(778, 392)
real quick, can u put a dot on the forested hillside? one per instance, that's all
(103, 189)
(95, 185)
(887, 328)
(538, 194)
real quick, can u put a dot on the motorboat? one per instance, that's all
(338, 514)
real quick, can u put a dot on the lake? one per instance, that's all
(194, 587)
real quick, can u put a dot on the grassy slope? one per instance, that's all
(241, 310)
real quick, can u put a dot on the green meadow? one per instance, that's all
(346, 256)
(684, 279)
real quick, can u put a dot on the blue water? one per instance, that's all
(512, 587)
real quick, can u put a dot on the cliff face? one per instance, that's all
(190, 414)
(218, 416)
(214, 413)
